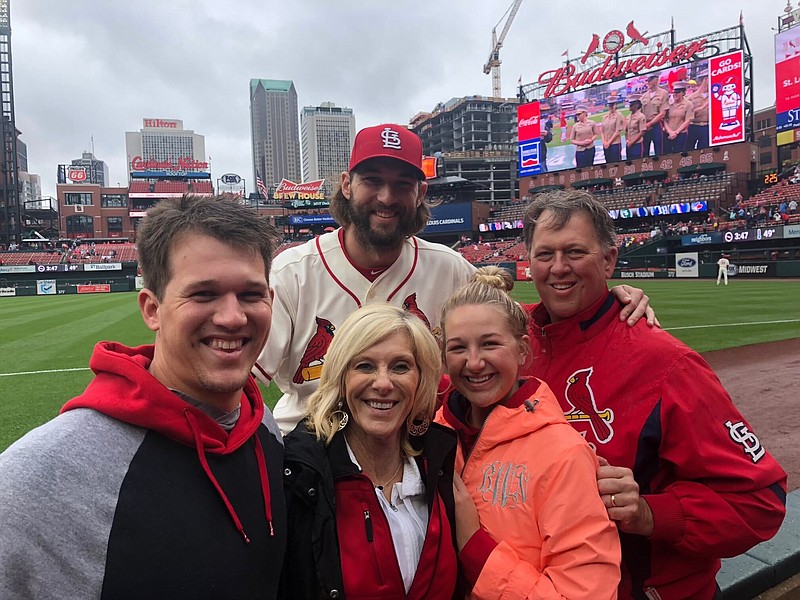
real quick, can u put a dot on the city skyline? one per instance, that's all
(102, 75)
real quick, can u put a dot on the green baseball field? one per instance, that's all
(46, 341)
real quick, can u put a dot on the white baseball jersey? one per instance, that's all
(723, 264)
(317, 287)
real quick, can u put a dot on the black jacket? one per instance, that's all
(312, 567)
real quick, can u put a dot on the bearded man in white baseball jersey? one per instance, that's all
(374, 257)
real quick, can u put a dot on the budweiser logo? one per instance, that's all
(290, 187)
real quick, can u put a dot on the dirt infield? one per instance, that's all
(764, 382)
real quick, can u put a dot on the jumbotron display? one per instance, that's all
(635, 110)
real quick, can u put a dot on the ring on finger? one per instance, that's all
(613, 500)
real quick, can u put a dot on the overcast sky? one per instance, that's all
(96, 68)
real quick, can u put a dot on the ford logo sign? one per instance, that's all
(687, 263)
(230, 179)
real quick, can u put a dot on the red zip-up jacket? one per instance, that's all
(648, 402)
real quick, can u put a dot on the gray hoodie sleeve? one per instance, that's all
(59, 486)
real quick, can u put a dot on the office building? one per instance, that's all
(164, 145)
(96, 170)
(274, 132)
(327, 132)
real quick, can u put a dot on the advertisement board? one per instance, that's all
(93, 288)
(753, 235)
(450, 218)
(726, 117)
(787, 84)
(752, 270)
(724, 110)
(311, 220)
(791, 231)
(102, 267)
(529, 139)
(289, 190)
(687, 264)
(46, 287)
(8, 291)
(696, 239)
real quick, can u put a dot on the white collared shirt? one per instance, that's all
(407, 514)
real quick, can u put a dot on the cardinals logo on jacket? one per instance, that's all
(313, 358)
(581, 396)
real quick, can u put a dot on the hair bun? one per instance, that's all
(495, 277)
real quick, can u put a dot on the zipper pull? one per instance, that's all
(368, 525)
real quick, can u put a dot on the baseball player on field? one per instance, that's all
(723, 263)
(374, 256)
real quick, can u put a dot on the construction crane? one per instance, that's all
(493, 64)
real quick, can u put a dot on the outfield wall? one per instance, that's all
(43, 280)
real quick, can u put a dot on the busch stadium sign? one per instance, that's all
(614, 46)
(288, 190)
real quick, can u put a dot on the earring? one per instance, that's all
(339, 414)
(418, 428)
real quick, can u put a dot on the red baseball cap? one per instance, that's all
(390, 141)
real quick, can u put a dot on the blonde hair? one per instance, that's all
(490, 285)
(363, 329)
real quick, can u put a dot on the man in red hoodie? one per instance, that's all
(164, 478)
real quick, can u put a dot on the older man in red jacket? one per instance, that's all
(682, 473)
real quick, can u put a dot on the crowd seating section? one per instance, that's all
(104, 252)
(709, 188)
(11, 259)
(286, 245)
(170, 187)
(771, 198)
(201, 187)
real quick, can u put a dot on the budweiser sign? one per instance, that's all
(614, 45)
(184, 163)
(288, 190)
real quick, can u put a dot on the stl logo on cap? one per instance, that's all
(391, 139)
(388, 141)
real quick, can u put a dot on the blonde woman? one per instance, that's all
(368, 478)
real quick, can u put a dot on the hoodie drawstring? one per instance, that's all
(262, 473)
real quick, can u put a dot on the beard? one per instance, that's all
(385, 237)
